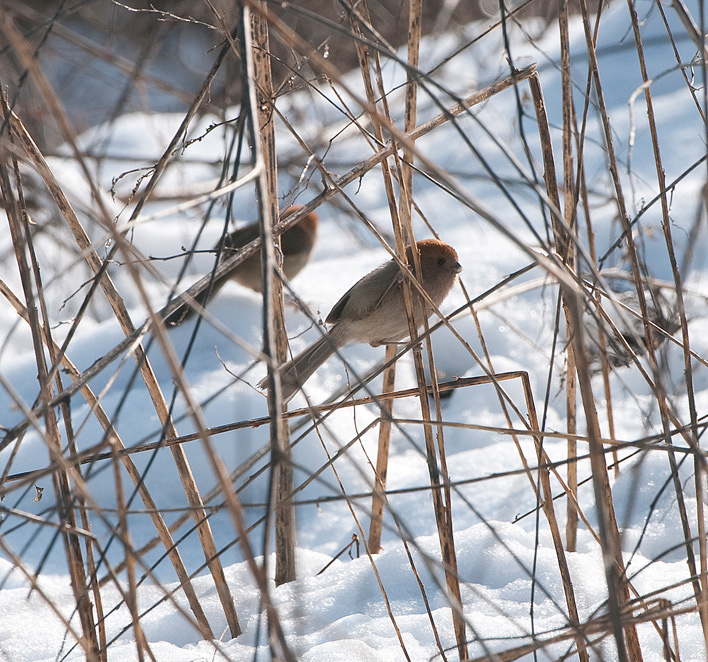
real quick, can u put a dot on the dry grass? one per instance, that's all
(586, 338)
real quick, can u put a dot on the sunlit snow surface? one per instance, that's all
(341, 614)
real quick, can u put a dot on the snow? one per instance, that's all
(501, 546)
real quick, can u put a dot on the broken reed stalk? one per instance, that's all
(116, 302)
(62, 485)
(275, 336)
(377, 500)
(564, 249)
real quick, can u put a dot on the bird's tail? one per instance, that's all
(295, 373)
(184, 311)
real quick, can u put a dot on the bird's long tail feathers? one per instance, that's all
(295, 373)
(184, 311)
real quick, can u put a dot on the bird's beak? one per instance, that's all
(456, 268)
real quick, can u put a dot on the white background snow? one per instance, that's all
(341, 614)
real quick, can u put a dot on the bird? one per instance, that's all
(625, 335)
(296, 245)
(373, 310)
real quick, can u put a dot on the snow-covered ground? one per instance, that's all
(511, 584)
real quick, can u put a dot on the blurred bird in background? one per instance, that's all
(296, 245)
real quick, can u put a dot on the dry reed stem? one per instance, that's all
(376, 518)
(569, 210)
(52, 438)
(131, 599)
(377, 503)
(259, 84)
(563, 247)
(618, 592)
(443, 507)
(614, 567)
(581, 191)
(364, 56)
(701, 586)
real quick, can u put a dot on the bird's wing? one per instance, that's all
(241, 237)
(371, 280)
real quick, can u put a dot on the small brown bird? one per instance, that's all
(296, 244)
(373, 310)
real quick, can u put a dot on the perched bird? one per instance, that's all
(629, 328)
(296, 245)
(373, 310)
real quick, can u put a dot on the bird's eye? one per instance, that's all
(441, 261)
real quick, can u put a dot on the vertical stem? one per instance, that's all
(131, 594)
(62, 486)
(700, 585)
(442, 494)
(571, 527)
(377, 505)
(618, 591)
(563, 246)
(268, 198)
(377, 500)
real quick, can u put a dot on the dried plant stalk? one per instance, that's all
(700, 585)
(442, 495)
(571, 528)
(275, 335)
(564, 244)
(61, 479)
(377, 501)
(377, 505)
